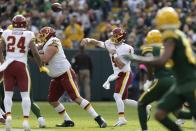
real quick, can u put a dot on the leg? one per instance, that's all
(145, 99)
(121, 93)
(69, 84)
(55, 92)
(23, 81)
(170, 102)
(36, 111)
(190, 98)
(9, 83)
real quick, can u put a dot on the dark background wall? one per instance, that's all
(102, 68)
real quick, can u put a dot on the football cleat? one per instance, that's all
(180, 122)
(42, 122)
(101, 122)
(67, 123)
(8, 124)
(148, 110)
(26, 125)
(121, 121)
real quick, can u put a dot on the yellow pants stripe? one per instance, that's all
(125, 80)
(73, 84)
(146, 92)
(29, 79)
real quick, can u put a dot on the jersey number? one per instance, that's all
(12, 41)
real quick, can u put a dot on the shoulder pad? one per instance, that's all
(170, 34)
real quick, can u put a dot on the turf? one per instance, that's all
(83, 122)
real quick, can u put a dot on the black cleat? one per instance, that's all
(101, 122)
(68, 123)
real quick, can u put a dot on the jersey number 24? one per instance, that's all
(12, 41)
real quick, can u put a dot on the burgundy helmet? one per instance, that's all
(46, 33)
(118, 35)
(19, 21)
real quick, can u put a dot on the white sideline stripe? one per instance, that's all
(21, 129)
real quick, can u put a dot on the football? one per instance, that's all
(56, 7)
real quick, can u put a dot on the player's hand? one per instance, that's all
(106, 85)
(44, 69)
(84, 41)
(147, 84)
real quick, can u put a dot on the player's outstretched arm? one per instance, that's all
(35, 53)
(90, 41)
(160, 61)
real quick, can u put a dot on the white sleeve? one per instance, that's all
(102, 44)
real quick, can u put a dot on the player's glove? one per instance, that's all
(44, 69)
(106, 85)
(147, 84)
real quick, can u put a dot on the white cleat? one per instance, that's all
(180, 122)
(121, 121)
(8, 124)
(148, 109)
(26, 125)
(42, 122)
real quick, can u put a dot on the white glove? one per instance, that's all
(112, 77)
(106, 85)
(147, 84)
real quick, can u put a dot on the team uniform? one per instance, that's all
(63, 77)
(184, 71)
(121, 76)
(124, 75)
(15, 72)
(17, 46)
(163, 80)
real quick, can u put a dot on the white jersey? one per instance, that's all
(59, 64)
(17, 44)
(121, 50)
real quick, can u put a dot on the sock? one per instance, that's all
(120, 104)
(61, 110)
(131, 102)
(184, 115)
(88, 107)
(8, 102)
(35, 109)
(26, 104)
(142, 116)
(167, 122)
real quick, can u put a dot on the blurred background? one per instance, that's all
(95, 19)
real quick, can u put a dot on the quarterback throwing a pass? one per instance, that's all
(63, 77)
(121, 67)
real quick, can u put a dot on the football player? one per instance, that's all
(177, 48)
(34, 107)
(121, 67)
(63, 78)
(17, 43)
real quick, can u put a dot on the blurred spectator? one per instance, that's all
(96, 6)
(74, 32)
(85, 21)
(82, 64)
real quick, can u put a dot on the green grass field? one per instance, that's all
(83, 122)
